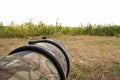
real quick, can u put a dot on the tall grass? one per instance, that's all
(42, 29)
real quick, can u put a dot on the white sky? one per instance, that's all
(69, 12)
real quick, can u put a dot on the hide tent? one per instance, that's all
(45, 59)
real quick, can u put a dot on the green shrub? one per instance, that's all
(42, 29)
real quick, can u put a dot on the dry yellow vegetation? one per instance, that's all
(92, 57)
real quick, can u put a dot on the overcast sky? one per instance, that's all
(69, 12)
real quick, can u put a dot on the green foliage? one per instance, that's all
(42, 29)
(1, 24)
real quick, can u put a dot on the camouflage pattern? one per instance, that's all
(57, 53)
(27, 66)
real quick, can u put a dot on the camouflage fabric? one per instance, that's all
(57, 53)
(30, 66)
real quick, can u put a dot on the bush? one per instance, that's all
(42, 29)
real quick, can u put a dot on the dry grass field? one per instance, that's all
(92, 57)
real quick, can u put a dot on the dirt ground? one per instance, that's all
(92, 57)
